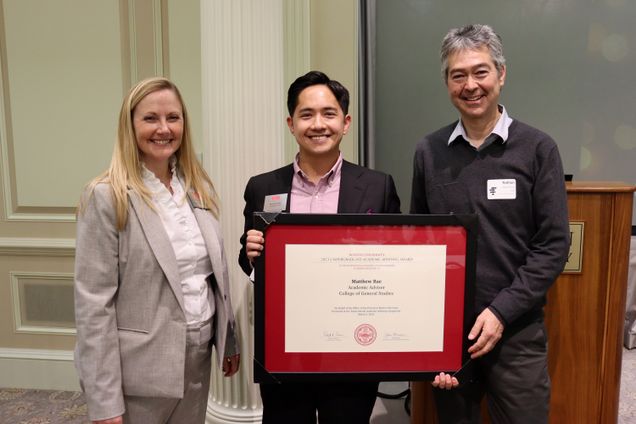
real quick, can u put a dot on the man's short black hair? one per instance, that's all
(316, 78)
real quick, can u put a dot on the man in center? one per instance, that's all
(318, 181)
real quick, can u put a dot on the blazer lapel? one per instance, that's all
(283, 184)
(212, 238)
(211, 235)
(351, 189)
(159, 243)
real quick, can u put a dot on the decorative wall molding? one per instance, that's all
(18, 302)
(17, 214)
(142, 27)
(146, 41)
(132, 36)
(36, 354)
(32, 329)
(31, 246)
(38, 369)
(12, 120)
(158, 9)
(5, 122)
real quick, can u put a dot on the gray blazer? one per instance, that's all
(129, 312)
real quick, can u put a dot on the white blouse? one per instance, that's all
(188, 244)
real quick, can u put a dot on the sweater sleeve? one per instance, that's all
(548, 247)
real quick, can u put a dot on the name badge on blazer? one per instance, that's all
(275, 203)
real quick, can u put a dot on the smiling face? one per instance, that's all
(474, 84)
(318, 123)
(158, 125)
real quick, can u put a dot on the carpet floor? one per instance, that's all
(23, 406)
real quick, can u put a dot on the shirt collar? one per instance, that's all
(501, 128)
(152, 182)
(328, 177)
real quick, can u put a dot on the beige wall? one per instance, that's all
(64, 67)
(184, 58)
(322, 35)
(61, 81)
(334, 50)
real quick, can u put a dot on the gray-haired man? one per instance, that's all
(511, 176)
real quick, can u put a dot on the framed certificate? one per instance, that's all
(357, 297)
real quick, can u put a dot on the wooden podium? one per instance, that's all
(584, 314)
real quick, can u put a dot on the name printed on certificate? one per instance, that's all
(364, 298)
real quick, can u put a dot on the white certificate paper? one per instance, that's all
(364, 298)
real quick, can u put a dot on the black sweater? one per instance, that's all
(523, 242)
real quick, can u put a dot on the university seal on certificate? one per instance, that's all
(365, 334)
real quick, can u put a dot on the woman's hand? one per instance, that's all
(231, 365)
(254, 244)
(116, 420)
(445, 381)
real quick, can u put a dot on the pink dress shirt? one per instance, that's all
(307, 197)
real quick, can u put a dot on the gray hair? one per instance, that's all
(472, 37)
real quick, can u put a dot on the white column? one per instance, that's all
(243, 132)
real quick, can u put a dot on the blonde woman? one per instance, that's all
(151, 283)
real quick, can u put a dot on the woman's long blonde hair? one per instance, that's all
(124, 172)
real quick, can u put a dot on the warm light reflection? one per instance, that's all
(586, 159)
(615, 47)
(625, 137)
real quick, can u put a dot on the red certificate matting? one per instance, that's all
(454, 233)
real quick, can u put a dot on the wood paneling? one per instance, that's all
(585, 311)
